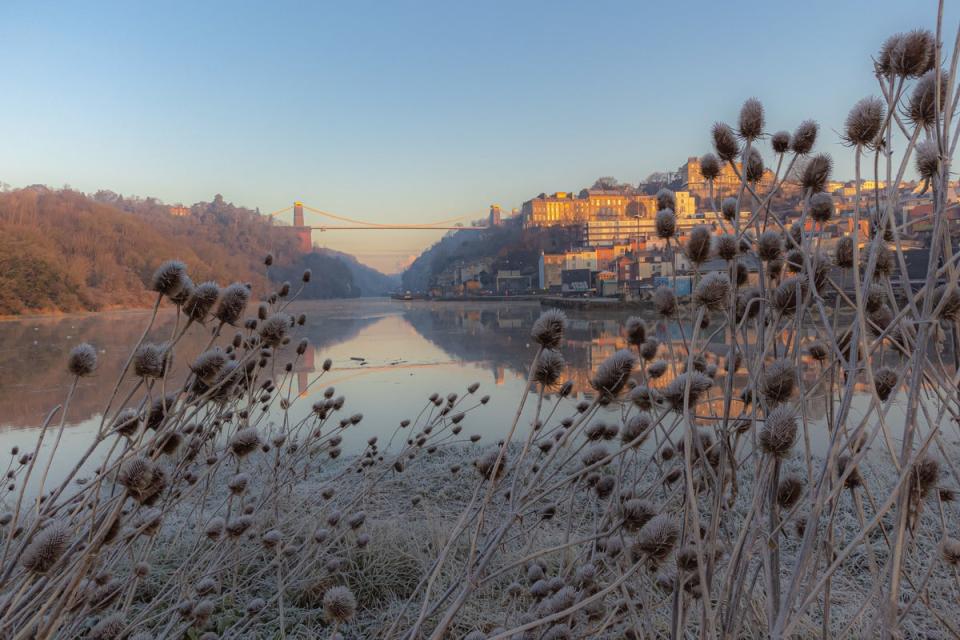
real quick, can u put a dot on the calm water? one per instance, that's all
(388, 357)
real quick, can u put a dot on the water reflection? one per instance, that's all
(388, 357)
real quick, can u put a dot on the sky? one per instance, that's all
(411, 112)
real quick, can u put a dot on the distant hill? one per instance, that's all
(509, 245)
(370, 281)
(64, 251)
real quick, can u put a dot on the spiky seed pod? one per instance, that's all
(238, 483)
(922, 108)
(644, 397)
(780, 141)
(728, 208)
(950, 551)
(779, 432)
(549, 368)
(946, 298)
(595, 454)
(753, 169)
(674, 392)
(863, 123)
(884, 262)
(169, 278)
(657, 539)
(794, 261)
(109, 628)
(751, 119)
(232, 303)
(908, 54)
(804, 137)
(888, 59)
(709, 166)
(548, 330)
(485, 463)
(821, 207)
(666, 223)
(636, 429)
(725, 142)
(202, 299)
(82, 360)
(712, 292)
(214, 528)
(152, 360)
(854, 480)
(648, 350)
(666, 199)
(665, 301)
(698, 244)
(843, 253)
(726, 246)
(789, 491)
(778, 380)
(126, 422)
(339, 605)
(879, 320)
(208, 364)
(185, 292)
(636, 330)
(884, 381)
(274, 329)
(263, 310)
(245, 442)
(699, 363)
(239, 525)
(657, 368)
(612, 374)
(816, 172)
(818, 351)
(46, 548)
(928, 159)
(748, 303)
(925, 474)
(636, 513)
(784, 298)
(769, 246)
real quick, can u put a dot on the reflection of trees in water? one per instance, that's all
(33, 352)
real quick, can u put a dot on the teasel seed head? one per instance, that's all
(712, 292)
(648, 350)
(548, 329)
(753, 167)
(656, 539)
(780, 141)
(232, 303)
(109, 628)
(238, 483)
(208, 364)
(666, 223)
(214, 528)
(821, 207)
(950, 551)
(698, 245)
(152, 360)
(339, 604)
(169, 278)
(644, 397)
(816, 172)
(665, 301)
(728, 208)
(636, 429)
(789, 491)
(82, 360)
(244, 442)
(274, 329)
(612, 374)
(657, 368)
(843, 253)
(769, 246)
(778, 380)
(928, 159)
(925, 475)
(922, 108)
(818, 351)
(709, 166)
(548, 368)
(725, 142)
(884, 381)
(666, 199)
(784, 298)
(46, 548)
(779, 432)
(751, 119)
(804, 137)
(674, 392)
(636, 330)
(863, 123)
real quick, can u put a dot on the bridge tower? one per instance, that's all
(304, 237)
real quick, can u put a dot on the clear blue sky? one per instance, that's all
(411, 111)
